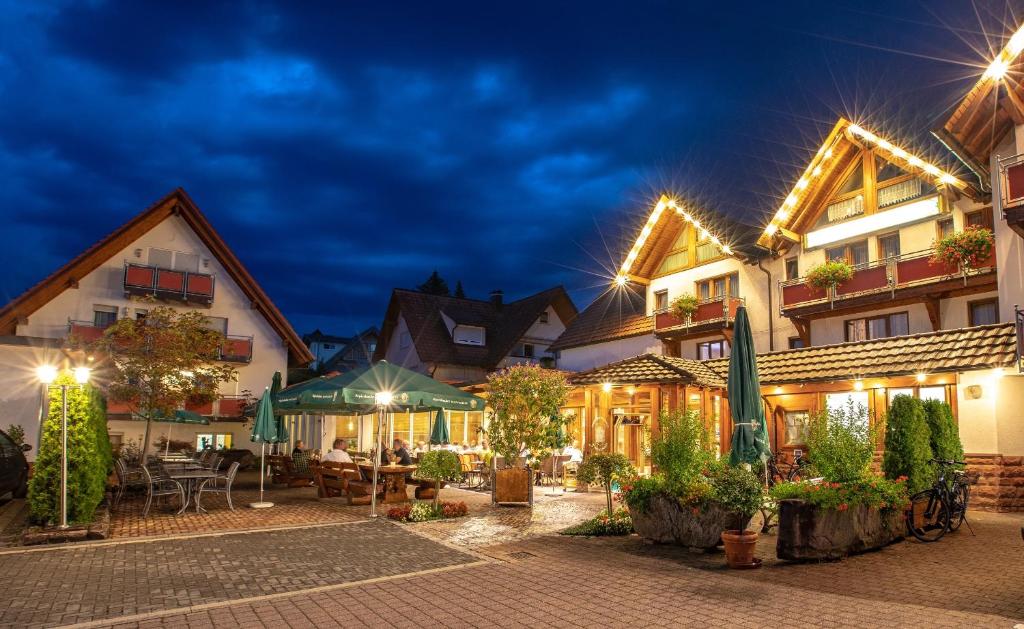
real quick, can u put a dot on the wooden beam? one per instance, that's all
(803, 328)
(868, 170)
(931, 303)
(727, 335)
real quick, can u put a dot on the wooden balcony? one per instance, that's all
(168, 284)
(712, 315)
(1011, 191)
(236, 349)
(908, 278)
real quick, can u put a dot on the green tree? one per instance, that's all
(605, 469)
(907, 449)
(435, 285)
(841, 443)
(16, 433)
(89, 455)
(944, 437)
(682, 448)
(439, 466)
(163, 361)
(525, 403)
(459, 292)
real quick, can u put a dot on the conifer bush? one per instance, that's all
(89, 456)
(907, 449)
(944, 437)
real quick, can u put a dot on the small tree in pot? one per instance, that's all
(439, 466)
(738, 490)
(523, 401)
(605, 469)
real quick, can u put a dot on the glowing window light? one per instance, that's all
(997, 69)
(898, 215)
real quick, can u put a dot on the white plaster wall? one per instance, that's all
(105, 286)
(1009, 246)
(545, 333)
(403, 356)
(598, 354)
(1009, 406)
(977, 418)
(22, 397)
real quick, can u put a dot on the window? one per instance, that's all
(219, 324)
(104, 316)
(852, 253)
(796, 427)
(895, 324)
(161, 258)
(899, 391)
(176, 260)
(543, 317)
(792, 268)
(404, 340)
(840, 402)
(932, 393)
(678, 256)
(795, 342)
(186, 262)
(707, 251)
(140, 314)
(944, 227)
(983, 312)
(979, 218)
(468, 335)
(216, 440)
(527, 350)
(719, 287)
(889, 246)
(712, 349)
(328, 345)
(661, 300)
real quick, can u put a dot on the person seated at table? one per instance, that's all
(401, 453)
(339, 452)
(464, 447)
(300, 461)
(420, 447)
(385, 453)
(574, 453)
(474, 447)
(299, 447)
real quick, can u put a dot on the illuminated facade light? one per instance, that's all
(858, 385)
(46, 373)
(997, 69)
(620, 280)
(771, 229)
(383, 398)
(921, 377)
(607, 387)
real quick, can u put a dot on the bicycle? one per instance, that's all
(774, 476)
(941, 508)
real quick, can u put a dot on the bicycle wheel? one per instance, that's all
(958, 512)
(928, 516)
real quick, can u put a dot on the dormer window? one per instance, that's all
(468, 335)
(543, 317)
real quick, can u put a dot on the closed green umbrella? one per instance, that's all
(264, 431)
(439, 433)
(750, 430)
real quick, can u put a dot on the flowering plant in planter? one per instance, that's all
(618, 523)
(829, 274)
(873, 491)
(967, 249)
(684, 306)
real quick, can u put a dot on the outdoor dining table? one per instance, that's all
(394, 479)
(191, 480)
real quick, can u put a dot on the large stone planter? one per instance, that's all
(807, 532)
(668, 522)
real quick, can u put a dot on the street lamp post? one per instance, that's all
(383, 401)
(47, 374)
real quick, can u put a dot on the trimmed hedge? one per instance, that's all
(89, 456)
(907, 448)
(945, 437)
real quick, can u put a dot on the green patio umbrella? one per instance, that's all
(750, 430)
(264, 431)
(180, 416)
(439, 433)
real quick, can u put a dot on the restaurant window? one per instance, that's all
(712, 349)
(841, 401)
(719, 287)
(889, 246)
(216, 440)
(892, 393)
(104, 316)
(796, 427)
(983, 312)
(661, 301)
(852, 253)
(347, 427)
(457, 426)
(400, 424)
(979, 218)
(792, 268)
(474, 426)
(945, 227)
(795, 342)
(882, 326)
(421, 427)
(932, 393)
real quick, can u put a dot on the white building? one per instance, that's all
(169, 251)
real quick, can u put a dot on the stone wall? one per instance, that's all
(1000, 482)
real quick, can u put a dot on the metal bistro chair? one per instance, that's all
(214, 486)
(126, 479)
(215, 461)
(159, 486)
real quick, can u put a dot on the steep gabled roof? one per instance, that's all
(355, 351)
(649, 369)
(505, 324)
(977, 123)
(316, 336)
(177, 203)
(618, 313)
(831, 163)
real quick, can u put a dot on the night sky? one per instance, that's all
(343, 152)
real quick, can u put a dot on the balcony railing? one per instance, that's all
(142, 279)
(1011, 181)
(86, 331)
(878, 277)
(236, 349)
(226, 406)
(719, 310)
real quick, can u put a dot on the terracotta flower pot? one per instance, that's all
(739, 548)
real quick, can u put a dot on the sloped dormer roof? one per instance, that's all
(616, 314)
(177, 203)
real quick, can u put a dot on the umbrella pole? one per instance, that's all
(376, 465)
(167, 446)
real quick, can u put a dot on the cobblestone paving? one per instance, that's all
(84, 583)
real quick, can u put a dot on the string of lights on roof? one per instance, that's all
(824, 153)
(1001, 64)
(665, 203)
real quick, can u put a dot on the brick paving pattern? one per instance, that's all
(84, 583)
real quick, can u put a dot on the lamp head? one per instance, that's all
(82, 374)
(46, 373)
(383, 398)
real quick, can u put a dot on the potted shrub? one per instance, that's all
(740, 492)
(964, 250)
(439, 466)
(848, 509)
(829, 274)
(683, 307)
(524, 399)
(605, 469)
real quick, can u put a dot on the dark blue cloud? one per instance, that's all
(345, 149)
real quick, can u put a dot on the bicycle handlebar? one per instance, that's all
(947, 462)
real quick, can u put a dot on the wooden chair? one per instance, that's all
(332, 478)
(282, 472)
